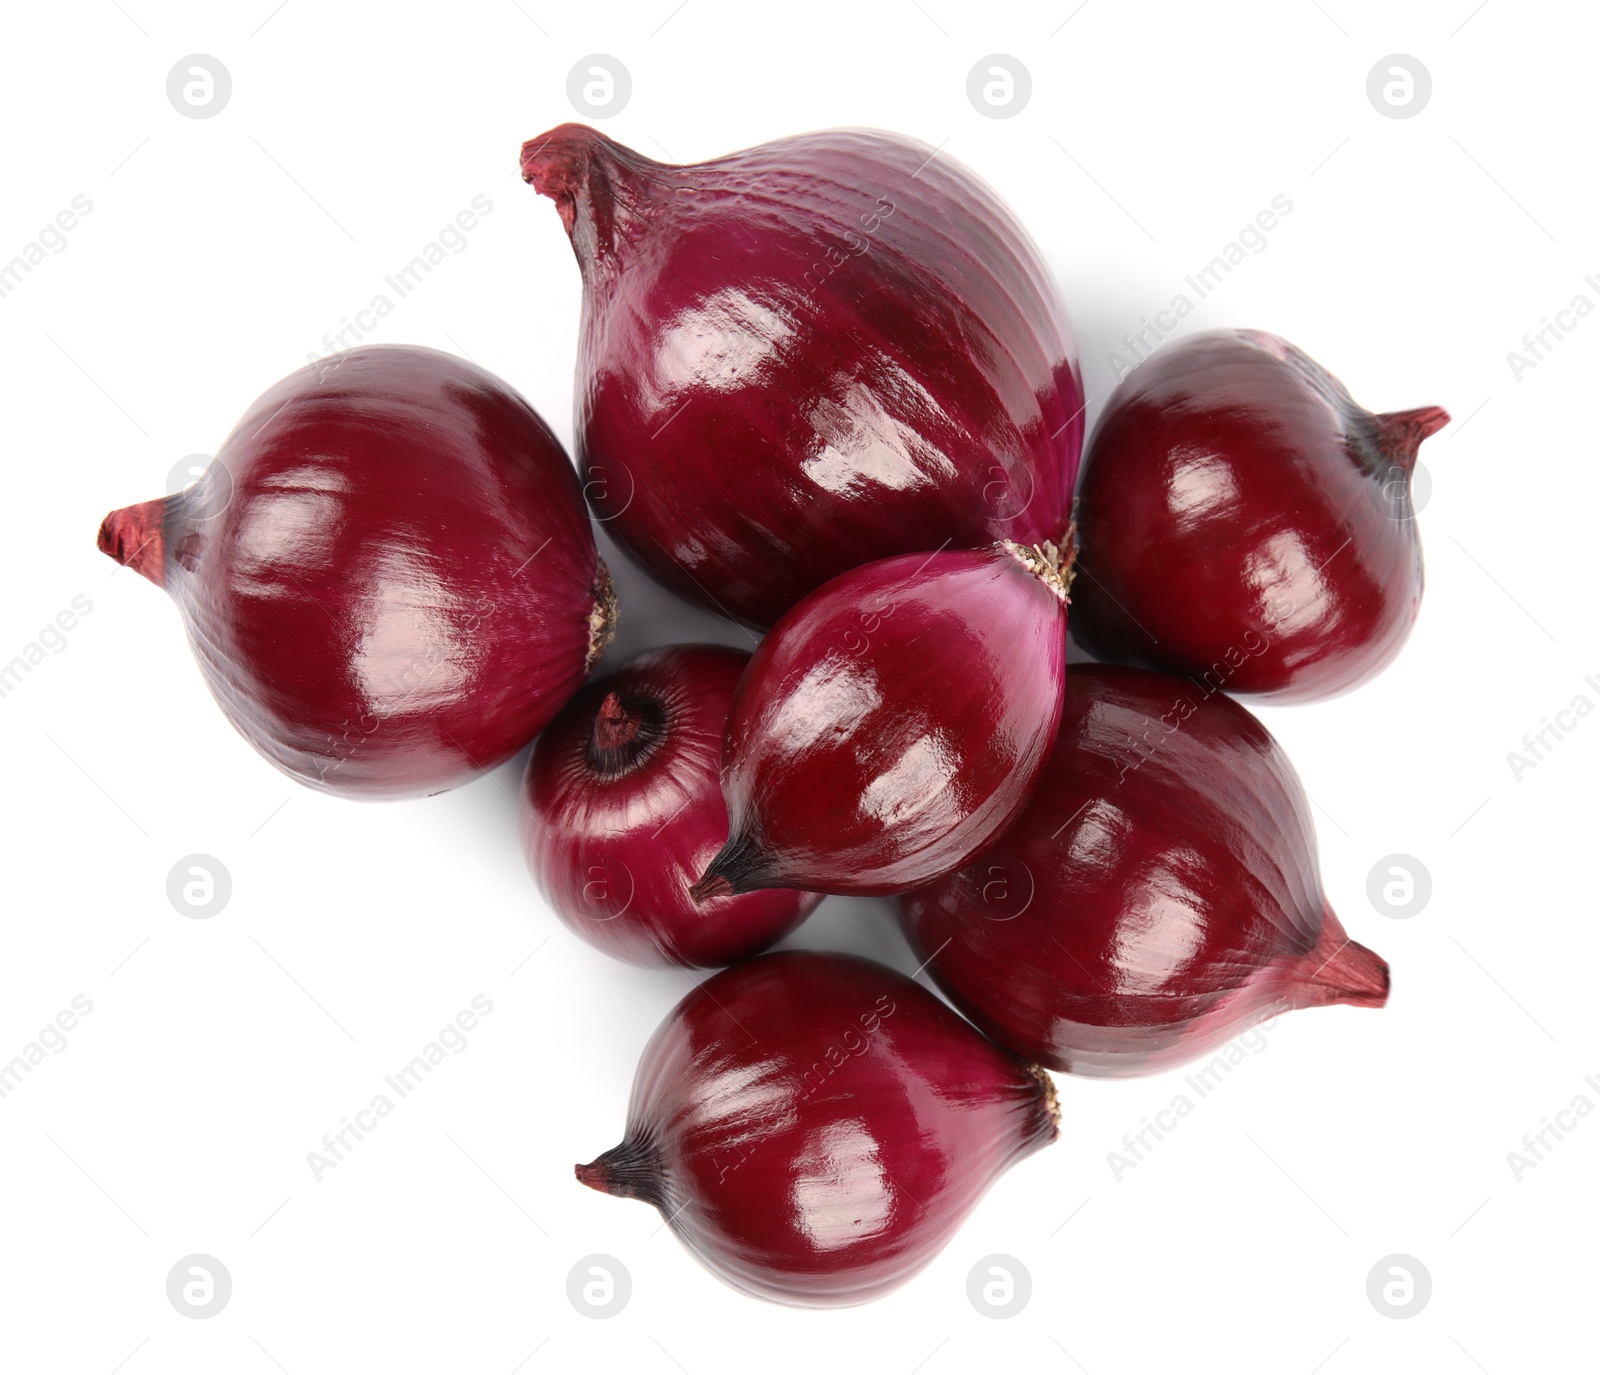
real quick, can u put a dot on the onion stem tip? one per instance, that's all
(711, 885)
(1400, 433)
(136, 538)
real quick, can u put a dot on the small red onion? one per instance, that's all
(624, 811)
(1159, 894)
(815, 1126)
(1245, 523)
(387, 574)
(893, 723)
(806, 355)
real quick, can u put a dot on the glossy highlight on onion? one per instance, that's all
(1159, 894)
(387, 574)
(797, 358)
(1245, 523)
(894, 722)
(814, 1127)
(624, 811)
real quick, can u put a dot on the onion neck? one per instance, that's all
(600, 188)
(1400, 433)
(740, 867)
(629, 1170)
(615, 725)
(625, 732)
(1340, 970)
(136, 538)
(1382, 443)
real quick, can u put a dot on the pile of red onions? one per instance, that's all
(826, 386)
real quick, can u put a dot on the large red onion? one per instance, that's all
(1159, 894)
(893, 723)
(387, 574)
(1245, 523)
(807, 355)
(815, 1126)
(625, 811)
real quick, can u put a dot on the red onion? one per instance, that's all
(1245, 523)
(624, 811)
(810, 354)
(893, 723)
(387, 575)
(814, 1126)
(1159, 894)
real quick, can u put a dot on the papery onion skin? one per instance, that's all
(1159, 895)
(893, 723)
(387, 573)
(806, 355)
(815, 1126)
(1243, 522)
(624, 811)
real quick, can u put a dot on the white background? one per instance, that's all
(217, 254)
